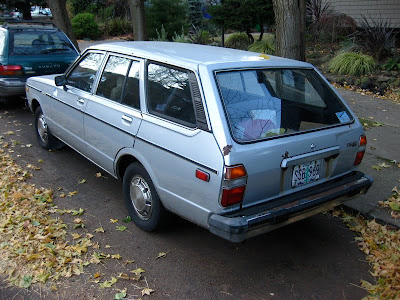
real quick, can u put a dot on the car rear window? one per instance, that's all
(36, 42)
(266, 103)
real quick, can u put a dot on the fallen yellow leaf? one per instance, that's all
(100, 229)
(70, 194)
(147, 291)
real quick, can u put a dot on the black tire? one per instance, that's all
(45, 139)
(141, 199)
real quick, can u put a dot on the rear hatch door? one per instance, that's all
(290, 130)
(40, 51)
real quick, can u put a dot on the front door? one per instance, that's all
(70, 101)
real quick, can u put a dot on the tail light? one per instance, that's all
(11, 70)
(360, 154)
(234, 185)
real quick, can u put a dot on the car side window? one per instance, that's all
(130, 96)
(84, 74)
(113, 78)
(169, 95)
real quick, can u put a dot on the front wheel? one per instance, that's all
(141, 199)
(45, 138)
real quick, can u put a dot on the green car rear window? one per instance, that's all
(266, 103)
(35, 42)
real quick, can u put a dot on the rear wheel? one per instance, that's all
(141, 199)
(45, 138)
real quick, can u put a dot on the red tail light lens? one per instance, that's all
(234, 185)
(359, 158)
(233, 196)
(360, 154)
(11, 70)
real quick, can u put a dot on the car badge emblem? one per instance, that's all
(312, 146)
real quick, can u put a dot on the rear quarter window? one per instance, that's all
(169, 95)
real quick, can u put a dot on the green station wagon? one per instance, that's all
(29, 48)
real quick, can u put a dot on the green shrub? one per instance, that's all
(376, 37)
(238, 40)
(264, 46)
(79, 6)
(352, 63)
(392, 64)
(199, 36)
(180, 38)
(118, 26)
(162, 36)
(169, 13)
(85, 26)
(105, 13)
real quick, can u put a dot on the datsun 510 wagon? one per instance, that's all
(234, 141)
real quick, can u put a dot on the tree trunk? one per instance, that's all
(61, 19)
(26, 10)
(290, 28)
(261, 32)
(251, 38)
(139, 20)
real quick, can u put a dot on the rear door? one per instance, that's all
(289, 130)
(175, 142)
(113, 116)
(66, 114)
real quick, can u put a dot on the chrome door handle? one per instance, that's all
(127, 119)
(81, 101)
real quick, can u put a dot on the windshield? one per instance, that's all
(36, 42)
(266, 103)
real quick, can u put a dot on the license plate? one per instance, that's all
(306, 173)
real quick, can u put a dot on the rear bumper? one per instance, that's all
(253, 221)
(12, 86)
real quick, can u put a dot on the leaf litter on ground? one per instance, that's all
(381, 245)
(34, 244)
(393, 203)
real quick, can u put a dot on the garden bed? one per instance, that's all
(381, 82)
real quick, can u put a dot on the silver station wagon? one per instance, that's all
(234, 141)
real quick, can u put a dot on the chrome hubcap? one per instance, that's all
(42, 129)
(141, 197)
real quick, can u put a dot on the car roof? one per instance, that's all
(193, 55)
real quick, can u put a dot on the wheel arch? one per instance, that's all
(123, 163)
(34, 105)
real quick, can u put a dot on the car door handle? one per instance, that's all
(81, 101)
(127, 119)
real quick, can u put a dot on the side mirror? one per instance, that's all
(60, 80)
